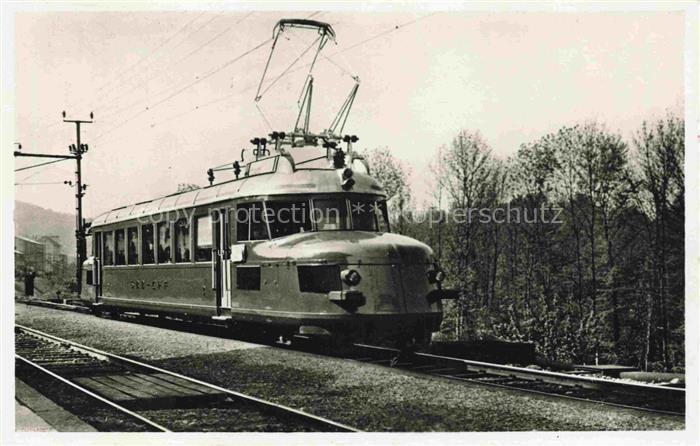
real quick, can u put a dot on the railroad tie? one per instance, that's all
(148, 391)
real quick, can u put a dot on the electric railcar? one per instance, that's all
(297, 245)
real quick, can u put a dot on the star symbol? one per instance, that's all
(358, 208)
(376, 209)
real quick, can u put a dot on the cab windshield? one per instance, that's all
(358, 214)
(330, 214)
(287, 217)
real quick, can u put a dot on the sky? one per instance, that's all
(171, 97)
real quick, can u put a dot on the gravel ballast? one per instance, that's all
(371, 398)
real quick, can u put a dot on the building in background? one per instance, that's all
(19, 261)
(43, 255)
(29, 254)
(55, 261)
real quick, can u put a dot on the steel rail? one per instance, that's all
(94, 395)
(586, 382)
(568, 397)
(531, 375)
(241, 396)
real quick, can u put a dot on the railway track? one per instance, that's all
(157, 399)
(639, 396)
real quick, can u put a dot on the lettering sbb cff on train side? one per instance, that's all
(151, 285)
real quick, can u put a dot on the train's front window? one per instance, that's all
(287, 217)
(330, 214)
(369, 215)
(366, 214)
(363, 215)
(382, 215)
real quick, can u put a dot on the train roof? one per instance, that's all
(307, 172)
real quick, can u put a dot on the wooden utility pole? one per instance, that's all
(76, 151)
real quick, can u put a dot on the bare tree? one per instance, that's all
(393, 174)
(466, 170)
(661, 185)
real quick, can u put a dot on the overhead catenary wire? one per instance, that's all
(395, 28)
(356, 45)
(41, 164)
(194, 109)
(148, 56)
(219, 35)
(164, 70)
(251, 86)
(171, 88)
(157, 72)
(39, 183)
(383, 33)
(36, 172)
(216, 37)
(153, 52)
(117, 76)
(181, 90)
(343, 70)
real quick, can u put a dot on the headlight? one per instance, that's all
(436, 276)
(440, 275)
(351, 277)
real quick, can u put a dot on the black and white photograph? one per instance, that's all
(349, 223)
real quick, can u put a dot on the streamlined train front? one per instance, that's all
(347, 275)
(332, 265)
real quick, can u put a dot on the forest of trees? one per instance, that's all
(575, 243)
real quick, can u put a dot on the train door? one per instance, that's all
(221, 261)
(97, 277)
(97, 265)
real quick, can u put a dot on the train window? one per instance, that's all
(250, 224)
(330, 214)
(363, 215)
(248, 277)
(242, 224)
(258, 227)
(287, 217)
(164, 242)
(182, 240)
(203, 241)
(147, 245)
(120, 257)
(108, 248)
(382, 216)
(132, 246)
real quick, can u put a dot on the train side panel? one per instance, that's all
(175, 287)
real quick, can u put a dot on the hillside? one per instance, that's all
(34, 221)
